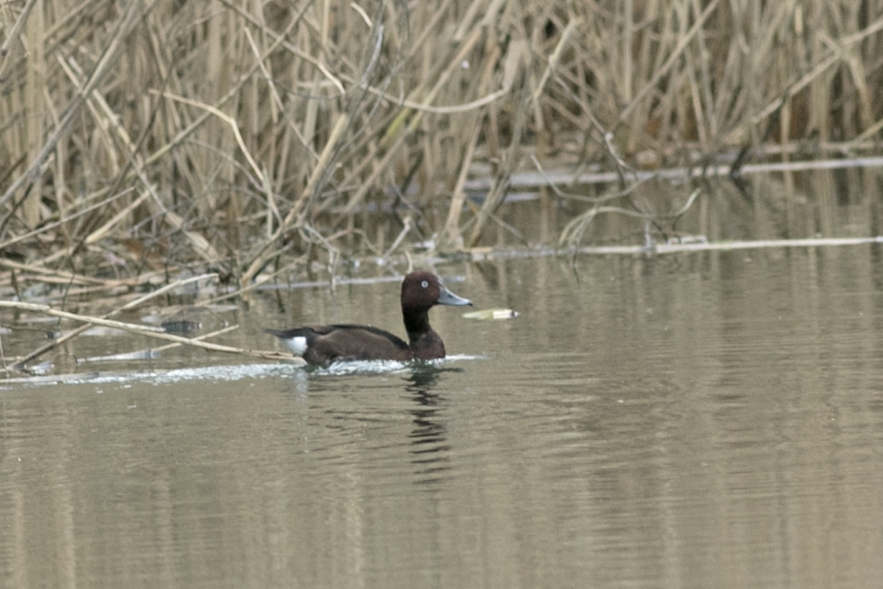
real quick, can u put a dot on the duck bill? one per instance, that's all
(446, 297)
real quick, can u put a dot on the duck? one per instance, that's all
(327, 344)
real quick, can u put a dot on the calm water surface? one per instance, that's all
(698, 420)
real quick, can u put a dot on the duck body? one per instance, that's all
(326, 344)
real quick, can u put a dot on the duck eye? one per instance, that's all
(424, 284)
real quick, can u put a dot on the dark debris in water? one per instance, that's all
(180, 326)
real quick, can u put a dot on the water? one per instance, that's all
(695, 420)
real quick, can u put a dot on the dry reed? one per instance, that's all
(221, 134)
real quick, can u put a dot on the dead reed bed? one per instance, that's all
(244, 138)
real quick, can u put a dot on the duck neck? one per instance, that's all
(416, 323)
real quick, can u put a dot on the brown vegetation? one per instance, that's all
(143, 136)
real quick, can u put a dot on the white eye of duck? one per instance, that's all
(424, 284)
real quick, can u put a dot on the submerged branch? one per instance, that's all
(146, 330)
(128, 306)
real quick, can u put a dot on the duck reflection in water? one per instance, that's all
(429, 437)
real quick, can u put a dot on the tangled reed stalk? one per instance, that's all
(147, 135)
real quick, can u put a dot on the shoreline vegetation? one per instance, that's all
(235, 139)
(150, 140)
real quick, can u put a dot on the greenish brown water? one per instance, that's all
(696, 420)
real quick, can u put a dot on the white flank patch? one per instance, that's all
(298, 345)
